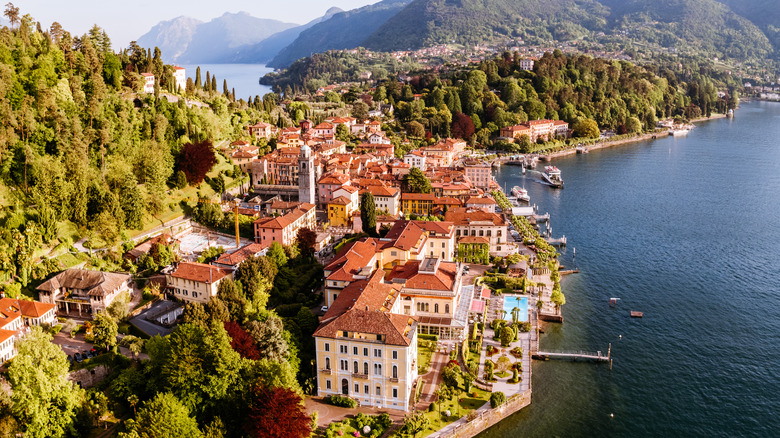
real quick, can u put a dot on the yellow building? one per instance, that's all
(417, 203)
(340, 212)
(365, 348)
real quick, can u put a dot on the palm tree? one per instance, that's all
(515, 314)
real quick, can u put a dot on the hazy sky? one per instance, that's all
(126, 21)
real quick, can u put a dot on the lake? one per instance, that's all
(243, 77)
(686, 230)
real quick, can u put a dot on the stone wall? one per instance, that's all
(491, 417)
(87, 378)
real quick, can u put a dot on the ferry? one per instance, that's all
(552, 176)
(520, 193)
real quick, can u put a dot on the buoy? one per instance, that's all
(611, 415)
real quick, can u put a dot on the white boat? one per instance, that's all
(552, 176)
(520, 193)
(678, 132)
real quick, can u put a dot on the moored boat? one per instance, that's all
(520, 193)
(552, 176)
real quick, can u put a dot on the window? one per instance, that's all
(357, 388)
(395, 392)
(365, 352)
(355, 367)
(431, 244)
(447, 309)
(377, 369)
(327, 363)
(327, 346)
(355, 351)
(343, 349)
(343, 365)
(395, 372)
(377, 352)
(481, 233)
(335, 296)
(443, 245)
(365, 389)
(365, 370)
(327, 384)
(436, 308)
(488, 233)
(395, 354)
(378, 391)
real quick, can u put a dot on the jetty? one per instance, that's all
(574, 356)
(561, 241)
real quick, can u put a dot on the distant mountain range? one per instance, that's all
(740, 29)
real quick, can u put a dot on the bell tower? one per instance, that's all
(306, 175)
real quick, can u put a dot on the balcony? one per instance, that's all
(325, 371)
(393, 380)
(359, 376)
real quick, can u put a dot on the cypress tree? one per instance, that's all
(213, 83)
(368, 214)
(207, 84)
(197, 78)
(225, 90)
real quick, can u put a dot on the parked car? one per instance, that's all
(466, 268)
(85, 354)
(78, 357)
(324, 309)
(70, 358)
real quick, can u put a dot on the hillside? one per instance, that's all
(342, 31)
(191, 41)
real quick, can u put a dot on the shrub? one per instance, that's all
(384, 421)
(503, 364)
(56, 329)
(497, 399)
(342, 401)
(525, 327)
(517, 352)
(507, 335)
(434, 338)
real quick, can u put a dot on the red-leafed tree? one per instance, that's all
(462, 126)
(276, 413)
(195, 160)
(241, 341)
(306, 239)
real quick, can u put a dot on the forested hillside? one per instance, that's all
(84, 153)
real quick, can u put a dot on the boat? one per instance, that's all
(552, 176)
(678, 132)
(520, 193)
(582, 149)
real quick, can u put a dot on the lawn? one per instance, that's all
(424, 354)
(458, 407)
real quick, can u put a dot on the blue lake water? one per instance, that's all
(512, 301)
(243, 77)
(686, 230)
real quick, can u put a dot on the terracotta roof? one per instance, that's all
(6, 335)
(334, 178)
(448, 201)
(199, 272)
(33, 309)
(405, 234)
(354, 257)
(283, 221)
(381, 190)
(341, 200)
(349, 189)
(473, 239)
(10, 311)
(486, 201)
(363, 307)
(442, 280)
(237, 257)
(96, 283)
(418, 196)
(462, 216)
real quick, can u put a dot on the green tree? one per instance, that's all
(195, 313)
(368, 214)
(416, 182)
(44, 401)
(164, 416)
(277, 255)
(104, 330)
(497, 399)
(269, 337)
(415, 129)
(507, 335)
(586, 128)
(118, 308)
(416, 423)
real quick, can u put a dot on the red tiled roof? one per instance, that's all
(486, 201)
(283, 221)
(6, 335)
(473, 239)
(199, 272)
(237, 257)
(341, 200)
(442, 280)
(418, 196)
(462, 216)
(351, 259)
(33, 309)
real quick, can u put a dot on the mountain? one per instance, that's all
(192, 41)
(172, 36)
(341, 31)
(268, 48)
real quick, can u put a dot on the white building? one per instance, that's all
(180, 76)
(416, 159)
(148, 82)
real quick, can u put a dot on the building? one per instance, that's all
(365, 348)
(431, 293)
(243, 157)
(306, 176)
(478, 223)
(527, 64)
(261, 130)
(83, 293)
(386, 199)
(473, 250)
(536, 129)
(416, 159)
(195, 282)
(356, 261)
(485, 203)
(234, 259)
(284, 229)
(328, 184)
(180, 77)
(148, 82)
(420, 204)
(340, 211)
(479, 173)
(16, 316)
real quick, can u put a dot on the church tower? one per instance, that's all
(306, 176)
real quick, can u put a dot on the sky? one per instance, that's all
(127, 21)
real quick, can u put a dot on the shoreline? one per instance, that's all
(609, 144)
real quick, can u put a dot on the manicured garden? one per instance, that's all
(361, 426)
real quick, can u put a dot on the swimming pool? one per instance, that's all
(512, 301)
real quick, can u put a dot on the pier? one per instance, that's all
(574, 356)
(561, 241)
